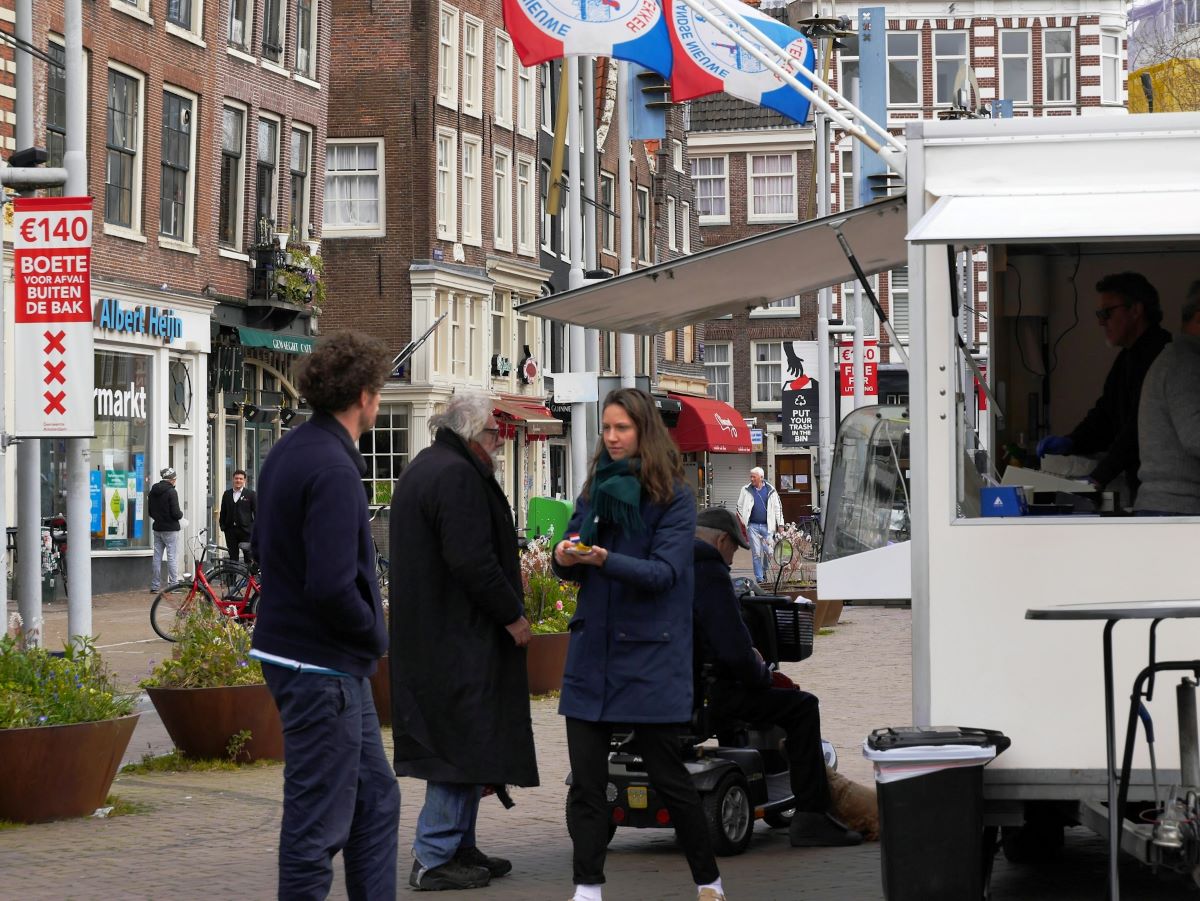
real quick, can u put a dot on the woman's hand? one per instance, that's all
(564, 557)
(595, 557)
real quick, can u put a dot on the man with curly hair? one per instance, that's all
(321, 629)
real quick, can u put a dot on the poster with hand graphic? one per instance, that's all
(801, 398)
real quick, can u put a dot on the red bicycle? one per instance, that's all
(233, 588)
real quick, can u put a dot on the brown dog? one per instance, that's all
(855, 805)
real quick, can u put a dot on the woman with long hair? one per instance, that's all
(630, 660)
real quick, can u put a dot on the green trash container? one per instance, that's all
(547, 516)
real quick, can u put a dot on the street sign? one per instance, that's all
(870, 367)
(756, 439)
(52, 249)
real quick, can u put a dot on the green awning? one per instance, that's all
(288, 344)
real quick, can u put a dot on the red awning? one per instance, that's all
(518, 412)
(710, 425)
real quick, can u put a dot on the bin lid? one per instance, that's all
(892, 738)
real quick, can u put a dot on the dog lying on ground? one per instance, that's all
(855, 805)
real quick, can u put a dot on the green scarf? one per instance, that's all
(615, 495)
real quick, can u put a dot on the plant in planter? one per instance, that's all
(549, 606)
(301, 277)
(210, 691)
(794, 571)
(64, 726)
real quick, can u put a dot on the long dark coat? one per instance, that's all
(460, 693)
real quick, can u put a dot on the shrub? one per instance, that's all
(212, 651)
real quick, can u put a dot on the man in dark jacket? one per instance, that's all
(321, 628)
(165, 517)
(743, 687)
(239, 505)
(1128, 310)
(460, 693)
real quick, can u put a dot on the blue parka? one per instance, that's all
(630, 656)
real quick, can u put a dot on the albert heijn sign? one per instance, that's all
(52, 255)
(870, 367)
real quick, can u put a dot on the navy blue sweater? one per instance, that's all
(312, 536)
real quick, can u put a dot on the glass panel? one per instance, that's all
(120, 479)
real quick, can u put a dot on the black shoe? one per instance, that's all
(820, 830)
(450, 875)
(496, 866)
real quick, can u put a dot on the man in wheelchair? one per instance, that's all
(742, 687)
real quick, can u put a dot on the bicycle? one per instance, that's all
(54, 548)
(380, 536)
(811, 535)
(232, 588)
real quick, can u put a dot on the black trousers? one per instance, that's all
(233, 538)
(798, 713)
(587, 808)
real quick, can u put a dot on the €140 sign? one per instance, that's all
(52, 253)
(870, 367)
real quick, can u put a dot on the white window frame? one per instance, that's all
(265, 116)
(645, 249)
(188, 242)
(608, 217)
(687, 227)
(501, 333)
(776, 384)
(472, 190)
(239, 190)
(722, 179)
(305, 217)
(527, 207)
(309, 70)
(138, 9)
(368, 230)
(502, 199)
(1006, 87)
(711, 365)
(1067, 56)
(785, 306)
(904, 58)
(548, 217)
(677, 154)
(546, 93)
(447, 86)
(503, 95)
(846, 56)
(842, 306)
(134, 229)
(446, 187)
(845, 178)
(526, 105)
(959, 59)
(472, 66)
(671, 231)
(283, 34)
(1111, 81)
(751, 193)
(896, 291)
(193, 32)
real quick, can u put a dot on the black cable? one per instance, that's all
(29, 48)
(1075, 309)
(1017, 325)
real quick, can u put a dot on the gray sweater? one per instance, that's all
(1169, 431)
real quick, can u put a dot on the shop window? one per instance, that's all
(121, 473)
(386, 451)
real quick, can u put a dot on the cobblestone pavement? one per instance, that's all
(213, 835)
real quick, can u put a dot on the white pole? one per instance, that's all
(856, 366)
(580, 438)
(628, 341)
(826, 419)
(79, 546)
(587, 137)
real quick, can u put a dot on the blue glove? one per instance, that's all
(1054, 444)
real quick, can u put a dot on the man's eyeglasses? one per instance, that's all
(1106, 313)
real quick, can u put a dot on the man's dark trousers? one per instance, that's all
(233, 539)
(340, 793)
(798, 713)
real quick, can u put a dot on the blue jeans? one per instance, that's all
(165, 544)
(339, 791)
(760, 547)
(447, 822)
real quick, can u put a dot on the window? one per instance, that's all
(549, 230)
(786, 306)
(547, 91)
(708, 176)
(689, 344)
(768, 372)
(178, 164)
(524, 99)
(846, 197)
(448, 57)
(266, 173)
(472, 190)
(385, 449)
(671, 239)
(121, 445)
(718, 369)
(56, 110)
(608, 214)
(233, 151)
(669, 341)
(500, 331)
(502, 100)
(904, 68)
(447, 187)
(502, 199)
(353, 188)
(526, 207)
(772, 187)
(472, 67)
(846, 309)
(687, 227)
(241, 17)
(848, 65)
(949, 58)
(180, 13)
(677, 154)
(643, 223)
(274, 29)
(300, 162)
(122, 178)
(899, 303)
(1110, 67)
(306, 38)
(1014, 66)
(1058, 55)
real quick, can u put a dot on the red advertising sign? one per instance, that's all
(870, 367)
(52, 251)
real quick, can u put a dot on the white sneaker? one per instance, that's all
(710, 894)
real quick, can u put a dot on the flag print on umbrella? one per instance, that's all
(632, 30)
(707, 61)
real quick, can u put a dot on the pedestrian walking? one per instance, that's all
(239, 505)
(759, 507)
(460, 692)
(165, 519)
(629, 546)
(321, 630)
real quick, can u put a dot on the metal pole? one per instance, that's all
(591, 336)
(1189, 753)
(825, 425)
(628, 341)
(580, 438)
(79, 546)
(857, 373)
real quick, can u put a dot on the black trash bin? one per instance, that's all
(930, 786)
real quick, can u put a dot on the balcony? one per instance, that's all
(286, 280)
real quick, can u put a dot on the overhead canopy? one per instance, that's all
(710, 425)
(288, 344)
(734, 277)
(1018, 218)
(538, 421)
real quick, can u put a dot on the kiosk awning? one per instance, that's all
(288, 344)
(538, 421)
(710, 425)
(796, 259)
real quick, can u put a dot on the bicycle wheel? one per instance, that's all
(172, 603)
(228, 579)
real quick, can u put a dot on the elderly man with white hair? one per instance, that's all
(759, 508)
